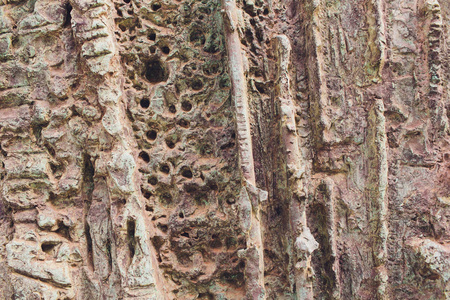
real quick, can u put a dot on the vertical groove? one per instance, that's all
(316, 75)
(304, 242)
(377, 190)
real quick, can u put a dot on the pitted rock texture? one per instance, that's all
(208, 149)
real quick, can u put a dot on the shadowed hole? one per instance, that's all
(145, 103)
(153, 180)
(156, 6)
(165, 50)
(48, 247)
(170, 143)
(186, 106)
(165, 169)
(162, 227)
(144, 156)
(131, 230)
(155, 72)
(186, 172)
(184, 123)
(152, 134)
(68, 18)
(197, 84)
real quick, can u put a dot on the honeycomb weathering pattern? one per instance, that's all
(222, 149)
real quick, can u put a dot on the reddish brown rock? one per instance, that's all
(224, 149)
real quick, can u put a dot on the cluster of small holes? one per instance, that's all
(167, 126)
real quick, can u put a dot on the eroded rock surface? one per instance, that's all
(187, 149)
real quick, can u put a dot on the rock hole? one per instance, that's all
(88, 176)
(166, 198)
(127, 1)
(205, 296)
(211, 68)
(261, 87)
(50, 149)
(215, 242)
(181, 215)
(164, 168)
(68, 17)
(64, 231)
(3, 152)
(153, 180)
(90, 256)
(131, 231)
(48, 247)
(165, 50)
(145, 103)
(184, 123)
(236, 279)
(152, 49)
(197, 36)
(156, 6)
(144, 156)
(212, 185)
(149, 208)
(152, 36)
(231, 201)
(162, 227)
(185, 234)
(186, 172)
(170, 143)
(190, 188)
(146, 194)
(152, 134)
(158, 242)
(266, 11)
(186, 106)
(224, 83)
(155, 72)
(227, 146)
(172, 109)
(197, 84)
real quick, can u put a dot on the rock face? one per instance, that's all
(187, 149)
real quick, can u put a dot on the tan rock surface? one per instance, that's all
(187, 149)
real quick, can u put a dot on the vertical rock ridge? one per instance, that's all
(376, 187)
(376, 52)
(254, 252)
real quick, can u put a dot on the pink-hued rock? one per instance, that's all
(174, 149)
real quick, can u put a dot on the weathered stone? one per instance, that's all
(224, 149)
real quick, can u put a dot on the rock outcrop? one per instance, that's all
(187, 149)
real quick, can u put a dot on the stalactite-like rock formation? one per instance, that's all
(187, 149)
